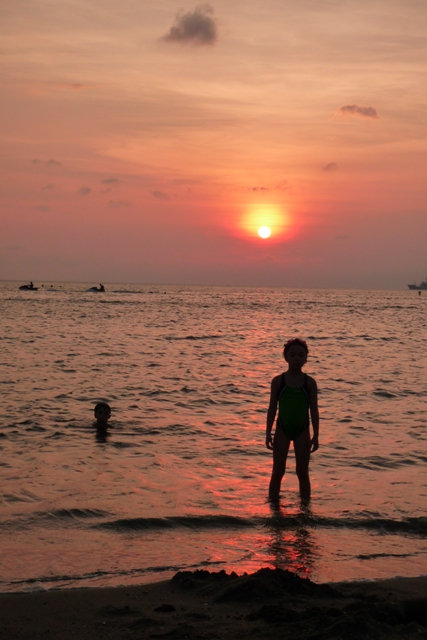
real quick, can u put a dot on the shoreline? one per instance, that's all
(270, 603)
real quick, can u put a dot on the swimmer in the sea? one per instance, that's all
(102, 413)
(295, 394)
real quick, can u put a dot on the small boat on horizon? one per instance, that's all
(101, 289)
(28, 287)
(421, 287)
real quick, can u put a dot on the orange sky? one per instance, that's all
(146, 141)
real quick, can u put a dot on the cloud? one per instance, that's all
(51, 162)
(116, 204)
(342, 238)
(281, 186)
(354, 110)
(42, 208)
(18, 248)
(110, 180)
(160, 195)
(332, 166)
(48, 187)
(74, 86)
(198, 27)
(84, 191)
(79, 86)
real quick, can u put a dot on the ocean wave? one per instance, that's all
(193, 337)
(385, 394)
(126, 291)
(382, 462)
(375, 556)
(41, 583)
(57, 518)
(178, 522)
(411, 526)
(67, 515)
(415, 526)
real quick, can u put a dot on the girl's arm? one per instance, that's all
(271, 413)
(314, 414)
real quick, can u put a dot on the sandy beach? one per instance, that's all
(266, 604)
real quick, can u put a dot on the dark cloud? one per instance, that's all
(354, 110)
(48, 187)
(160, 195)
(330, 167)
(16, 248)
(110, 180)
(116, 204)
(198, 27)
(74, 86)
(281, 186)
(42, 208)
(342, 238)
(84, 191)
(51, 162)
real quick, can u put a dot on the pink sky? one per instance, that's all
(147, 141)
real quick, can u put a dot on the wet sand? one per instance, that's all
(197, 605)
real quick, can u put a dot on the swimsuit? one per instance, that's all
(294, 404)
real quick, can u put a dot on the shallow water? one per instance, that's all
(181, 481)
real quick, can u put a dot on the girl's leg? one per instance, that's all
(280, 453)
(302, 459)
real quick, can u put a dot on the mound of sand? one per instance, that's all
(268, 604)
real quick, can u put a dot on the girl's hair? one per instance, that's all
(295, 341)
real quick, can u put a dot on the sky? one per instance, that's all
(149, 141)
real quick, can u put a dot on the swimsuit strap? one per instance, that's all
(305, 385)
(283, 385)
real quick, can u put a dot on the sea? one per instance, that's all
(180, 480)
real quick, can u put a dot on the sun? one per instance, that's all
(264, 232)
(264, 221)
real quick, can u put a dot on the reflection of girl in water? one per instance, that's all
(292, 544)
(295, 394)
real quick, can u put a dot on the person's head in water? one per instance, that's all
(295, 350)
(102, 414)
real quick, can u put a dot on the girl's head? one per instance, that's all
(295, 342)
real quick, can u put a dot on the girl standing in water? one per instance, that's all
(295, 394)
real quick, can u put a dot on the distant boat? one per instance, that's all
(28, 287)
(421, 287)
(101, 289)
